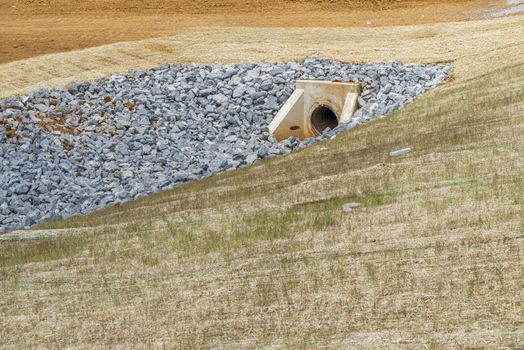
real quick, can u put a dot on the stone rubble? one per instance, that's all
(95, 144)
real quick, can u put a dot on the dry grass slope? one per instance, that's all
(474, 47)
(264, 256)
(36, 27)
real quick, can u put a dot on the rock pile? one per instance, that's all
(69, 152)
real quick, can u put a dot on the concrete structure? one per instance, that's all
(314, 106)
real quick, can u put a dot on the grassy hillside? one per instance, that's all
(264, 256)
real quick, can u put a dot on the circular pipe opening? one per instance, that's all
(323, 117)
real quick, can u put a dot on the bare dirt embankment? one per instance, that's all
(472, 47)
(31, 28)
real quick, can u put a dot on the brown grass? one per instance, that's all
(474, 47)
(31, 28)
(264, 257)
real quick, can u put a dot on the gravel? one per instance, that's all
(95, 144)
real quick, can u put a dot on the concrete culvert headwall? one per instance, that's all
(314, 107)
(323, 117)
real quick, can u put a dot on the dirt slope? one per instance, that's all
(473, 47)
(35, 27)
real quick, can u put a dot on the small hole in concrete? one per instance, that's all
(323, 117)
(295, 127)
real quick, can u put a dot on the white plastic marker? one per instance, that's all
(400, 152)
(348, 207)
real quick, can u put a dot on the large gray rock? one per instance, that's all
(22, 188)
(250, 159)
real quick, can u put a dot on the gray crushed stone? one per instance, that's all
(95, 144)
